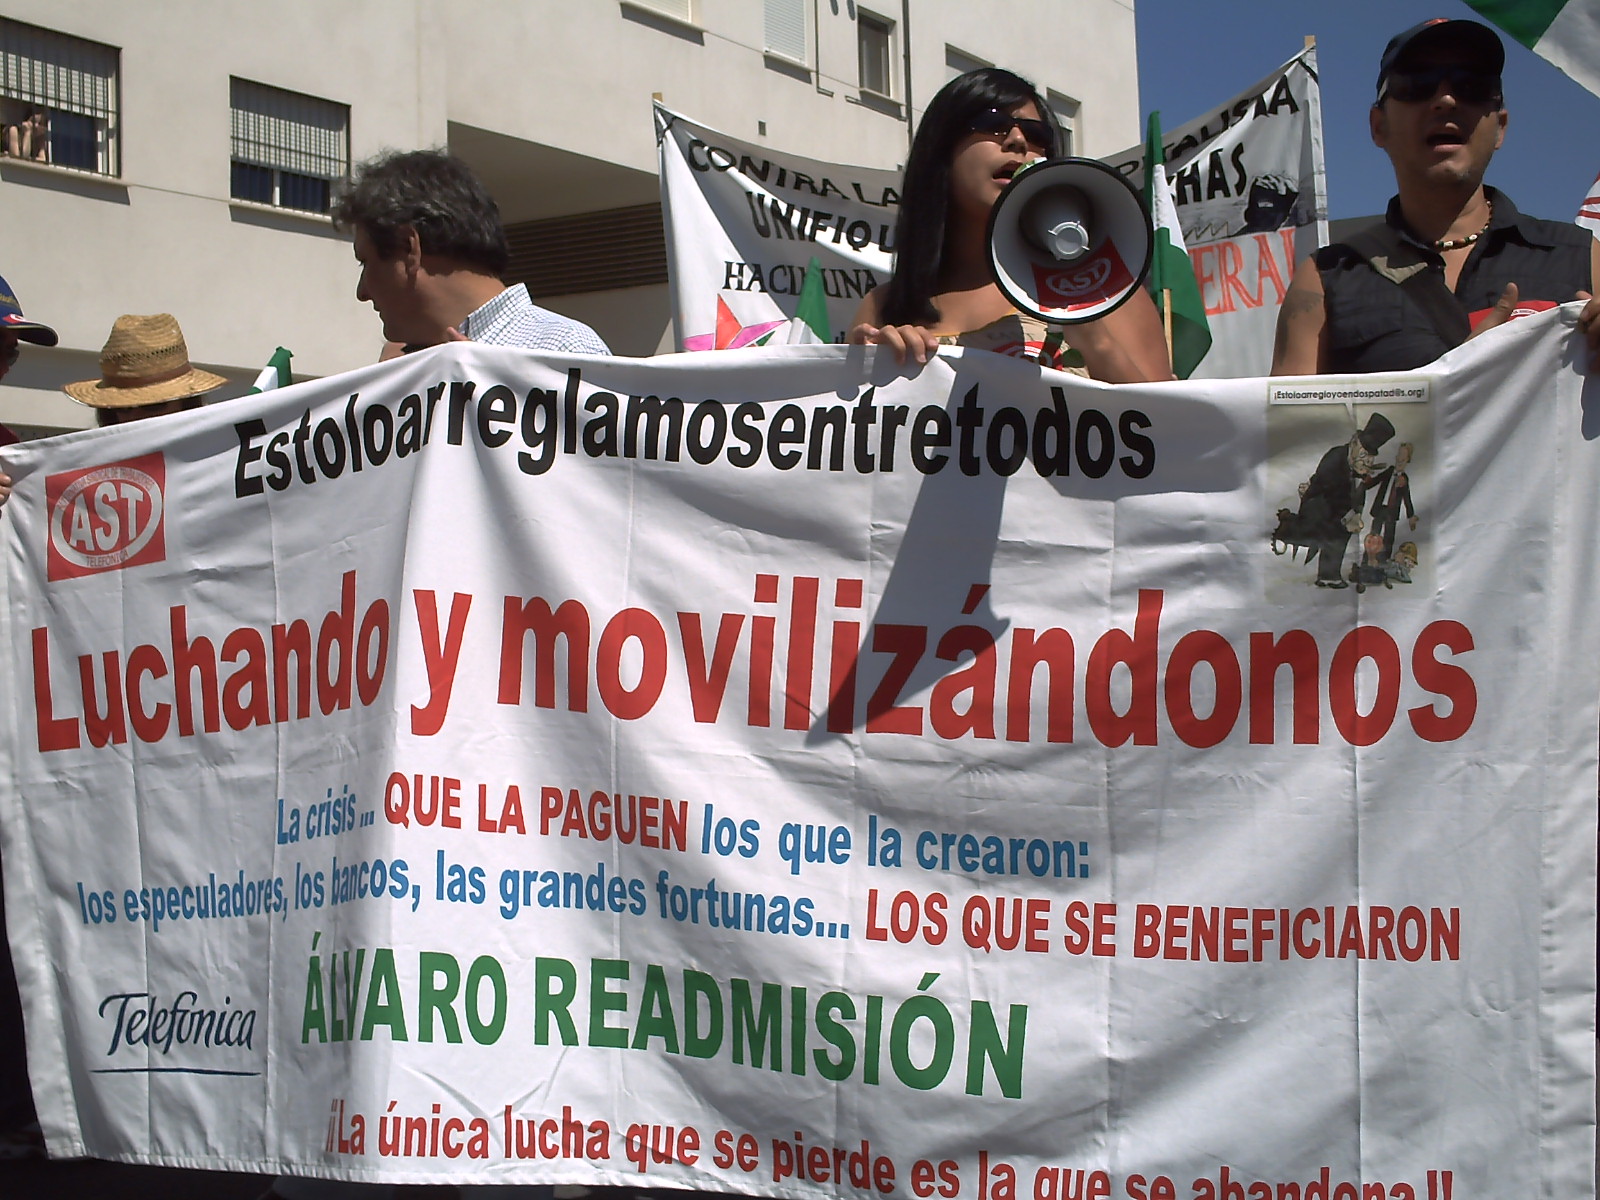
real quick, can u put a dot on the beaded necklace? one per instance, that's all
(1459, 243)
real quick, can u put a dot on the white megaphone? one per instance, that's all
(1069, 240)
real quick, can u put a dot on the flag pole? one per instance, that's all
(1166, 321)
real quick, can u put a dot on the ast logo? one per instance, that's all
(1085, 283)
(106, 517)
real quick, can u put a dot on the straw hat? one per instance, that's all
(145, 361)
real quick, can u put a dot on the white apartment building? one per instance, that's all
(190, 146)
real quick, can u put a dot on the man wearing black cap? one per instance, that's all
(19, 1131)
(15, 328)
(1452, 256)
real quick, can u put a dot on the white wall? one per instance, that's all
(165, 236)
(565, 85)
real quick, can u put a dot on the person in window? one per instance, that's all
(30, 137)
(976, 133)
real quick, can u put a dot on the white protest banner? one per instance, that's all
(775, 773)
(743, 223)
(1252, 198)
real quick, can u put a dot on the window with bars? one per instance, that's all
(58, 98)
(288, 149)
(875, 43)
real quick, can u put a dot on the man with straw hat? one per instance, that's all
(144, 372)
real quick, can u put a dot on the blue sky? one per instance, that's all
(1195, 54)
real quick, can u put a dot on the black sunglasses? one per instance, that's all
(10, 351)
(1465, 84)
(997, 123)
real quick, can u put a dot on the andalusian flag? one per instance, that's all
(1172, 280)
(275, 375)
(1565, 32)
(812, 310)
(809, 325)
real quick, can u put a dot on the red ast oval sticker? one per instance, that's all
(106, 518)
(1084, 284)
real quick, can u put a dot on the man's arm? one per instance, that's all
(1302, 323)
(1589, 318)
(1126, 345)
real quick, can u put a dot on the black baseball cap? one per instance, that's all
(1476, 45)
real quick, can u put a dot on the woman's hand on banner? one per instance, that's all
(1589, 318)
(1589, 326)
(903, 340)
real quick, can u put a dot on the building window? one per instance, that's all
(959, 62)
(784, 29)
(1066, 111)
(678, 10)
(58, 98)
(875, 41)
(288, 149)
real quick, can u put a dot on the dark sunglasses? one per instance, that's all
(1466, 85)
(9, 353)
(997, 123)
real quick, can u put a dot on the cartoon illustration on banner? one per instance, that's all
(1350, 511)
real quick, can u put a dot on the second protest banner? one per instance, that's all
(1251, 194)
(746, 227)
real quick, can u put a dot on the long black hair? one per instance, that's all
(925, 187)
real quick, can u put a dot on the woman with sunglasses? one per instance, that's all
(976, 133)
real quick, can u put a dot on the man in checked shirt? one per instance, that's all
(432, 250)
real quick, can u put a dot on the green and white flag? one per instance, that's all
(812, 311)
(275, 374)
(1172, 280)
(1565, 33)
(809, 325)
